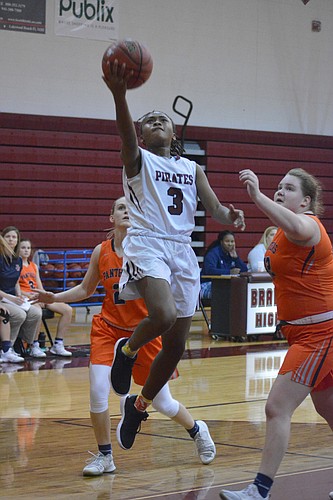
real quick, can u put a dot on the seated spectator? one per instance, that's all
(24, 318)
(220, 258)
(29, 281)
(257, 254)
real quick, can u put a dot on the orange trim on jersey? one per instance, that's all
(28, 277)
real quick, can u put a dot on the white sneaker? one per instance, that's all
(58, 349)
(99, 464)
(204, 443)
(36, 351)
(11, 357)
(330, 495)
(249, 493)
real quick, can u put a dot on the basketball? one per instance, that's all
(76, 273)
(84, 267)
(47, 271)
(72, 283)
(136, 57)
(59, 271)
(52, 285)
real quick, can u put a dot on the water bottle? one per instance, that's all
(41, 340)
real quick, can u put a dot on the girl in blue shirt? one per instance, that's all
(220, 258)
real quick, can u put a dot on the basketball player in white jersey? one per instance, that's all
(161, 190)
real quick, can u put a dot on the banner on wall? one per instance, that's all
(27, 16)
(93, 19)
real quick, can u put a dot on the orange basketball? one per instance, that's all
(76, 273)
(136, 57)
(47, 271)
(72, 283)
(60, 271)
(84, 267)
(51, 285)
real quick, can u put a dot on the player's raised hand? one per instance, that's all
(237, 217)
(251, 181)
(116, 77)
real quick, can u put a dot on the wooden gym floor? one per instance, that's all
(45, 431)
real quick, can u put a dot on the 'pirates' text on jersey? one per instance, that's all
(162, 197)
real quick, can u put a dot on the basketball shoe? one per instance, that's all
(99, 464)
(130, 423)
(58, 349)
(249, 493)
(121, 369)
(36, 352)
(204, 443)
(11, 356)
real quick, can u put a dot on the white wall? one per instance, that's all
(252, 64)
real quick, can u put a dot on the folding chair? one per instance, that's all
(202, 308)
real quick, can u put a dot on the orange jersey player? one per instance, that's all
(117, 320)
(28, 276)
(30, 281)
(300, 261)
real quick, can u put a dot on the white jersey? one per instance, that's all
(162, 197)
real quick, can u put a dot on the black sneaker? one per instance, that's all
(130, 424)
(121, 369)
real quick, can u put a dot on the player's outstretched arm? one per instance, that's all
(117, 83)
(297, 227)
(78, 293)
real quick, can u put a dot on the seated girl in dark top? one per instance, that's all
(220, 258)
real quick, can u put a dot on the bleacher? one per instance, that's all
(59, 176)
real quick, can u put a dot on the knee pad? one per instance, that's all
(165, 404)
(99, 388)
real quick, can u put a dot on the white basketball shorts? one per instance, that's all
(166, 259)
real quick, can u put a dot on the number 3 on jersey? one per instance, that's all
(177, 200)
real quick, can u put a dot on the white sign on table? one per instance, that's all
(261, 308)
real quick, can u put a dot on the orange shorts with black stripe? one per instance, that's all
(103, 339)
(310, 355)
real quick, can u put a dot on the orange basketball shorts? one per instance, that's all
(103, 339)
(310, 355)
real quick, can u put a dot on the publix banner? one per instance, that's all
(94, 19)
